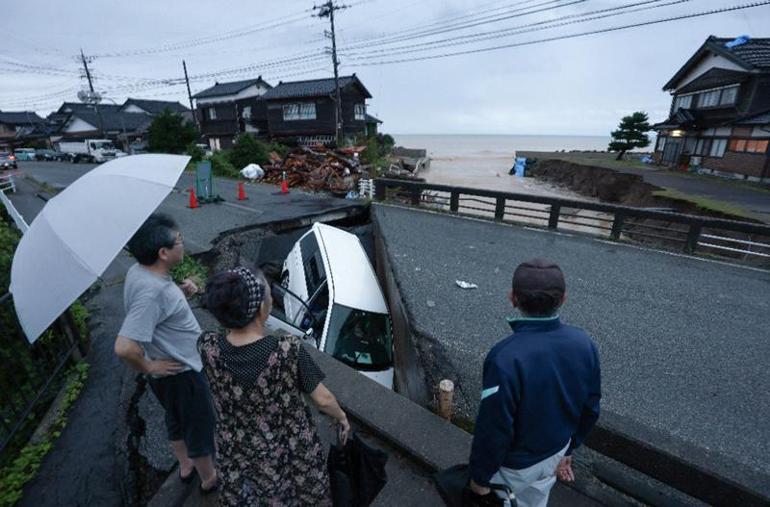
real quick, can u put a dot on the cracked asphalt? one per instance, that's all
(683, 341)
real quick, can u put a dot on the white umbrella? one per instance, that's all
(80, 232)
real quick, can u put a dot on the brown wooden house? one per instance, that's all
(719, 120)
(304, 110)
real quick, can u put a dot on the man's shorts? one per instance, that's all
(186, 399)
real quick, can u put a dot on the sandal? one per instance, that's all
(210, 489)
(189, 477)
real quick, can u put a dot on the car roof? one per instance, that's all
(349, 271)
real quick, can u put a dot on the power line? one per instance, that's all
(570, 36)
(521, 29)
(275, 23)
(516, 13)
(442, 22)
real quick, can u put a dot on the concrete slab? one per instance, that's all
(682, 340)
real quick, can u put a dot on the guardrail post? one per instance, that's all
(617, 226)
(380, 191)
(553, 219)
(454, 201)
(499, 209)
(416, 193)
(693, 235)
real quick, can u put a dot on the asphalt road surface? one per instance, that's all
(683, 341)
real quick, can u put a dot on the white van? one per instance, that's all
(330, 296)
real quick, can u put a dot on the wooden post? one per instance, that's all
(553, 218)
(617, 226)
(499, 209)
(693, 235)
(446, 390)
(454, 201)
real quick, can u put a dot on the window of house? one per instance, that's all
(737, 145)
(729, 95)
(757, 146)
(360, 112)
(703, 147)
(682, 102)
(212, 113)
(709, 99)
(718, 148)
(662, 143)
(246, 113)
(303, 111)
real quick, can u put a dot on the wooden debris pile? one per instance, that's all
(317, 168)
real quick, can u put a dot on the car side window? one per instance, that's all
(312, 263)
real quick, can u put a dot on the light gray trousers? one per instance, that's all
(532, 485)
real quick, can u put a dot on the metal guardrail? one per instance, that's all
(30, 371)
(7, 183)
(691, 234)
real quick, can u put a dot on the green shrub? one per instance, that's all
(196, 152)
(248, 150)
(24, 467)
(192, 269)
(221, 166)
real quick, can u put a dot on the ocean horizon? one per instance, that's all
(485, 146)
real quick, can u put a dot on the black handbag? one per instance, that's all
(356, 473)
(452, 485)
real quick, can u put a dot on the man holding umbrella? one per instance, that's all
(159, 338)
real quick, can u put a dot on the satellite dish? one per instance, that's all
(89, 97)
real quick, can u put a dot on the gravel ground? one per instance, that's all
(683, 341)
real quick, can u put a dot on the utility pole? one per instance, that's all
(88, 73)
(93, 97)
(327, 10)
(189, 96)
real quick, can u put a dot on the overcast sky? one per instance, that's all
(575, 86)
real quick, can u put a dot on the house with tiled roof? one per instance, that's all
(305, 110)
(228, 109)
(719, 119)
(16, 126)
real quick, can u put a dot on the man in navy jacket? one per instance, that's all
(541, 392)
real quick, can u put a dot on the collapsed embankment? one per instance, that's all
(608, 185)
(614, 187)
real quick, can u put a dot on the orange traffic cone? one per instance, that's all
(193, 199)
(284, 183)
(241, 192)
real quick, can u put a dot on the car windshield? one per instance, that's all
(360, 339)
(4, 154)
(104, 145)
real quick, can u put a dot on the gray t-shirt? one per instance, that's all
(159, 318)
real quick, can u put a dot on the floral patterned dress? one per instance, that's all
(269, 452)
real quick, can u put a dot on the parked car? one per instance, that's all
(7, 160)
(48, 155)
(329, 295)
(24, 153)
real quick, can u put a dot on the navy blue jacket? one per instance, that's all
(541, 389)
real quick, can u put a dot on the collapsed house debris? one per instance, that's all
(318, 168)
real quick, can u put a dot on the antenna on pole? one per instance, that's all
(325, 10)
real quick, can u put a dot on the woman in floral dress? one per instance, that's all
(268, 450)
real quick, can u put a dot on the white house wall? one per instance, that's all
(707, 63)
(78, 125)
(251, 91)
(133, 108)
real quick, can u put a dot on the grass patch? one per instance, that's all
(23, 469)
(708, 204)
(192, 269)
(604, 160)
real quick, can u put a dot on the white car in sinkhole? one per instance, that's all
(329, 295)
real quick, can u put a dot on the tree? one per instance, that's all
(170, 133)
(248, 150)
(631, 133)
